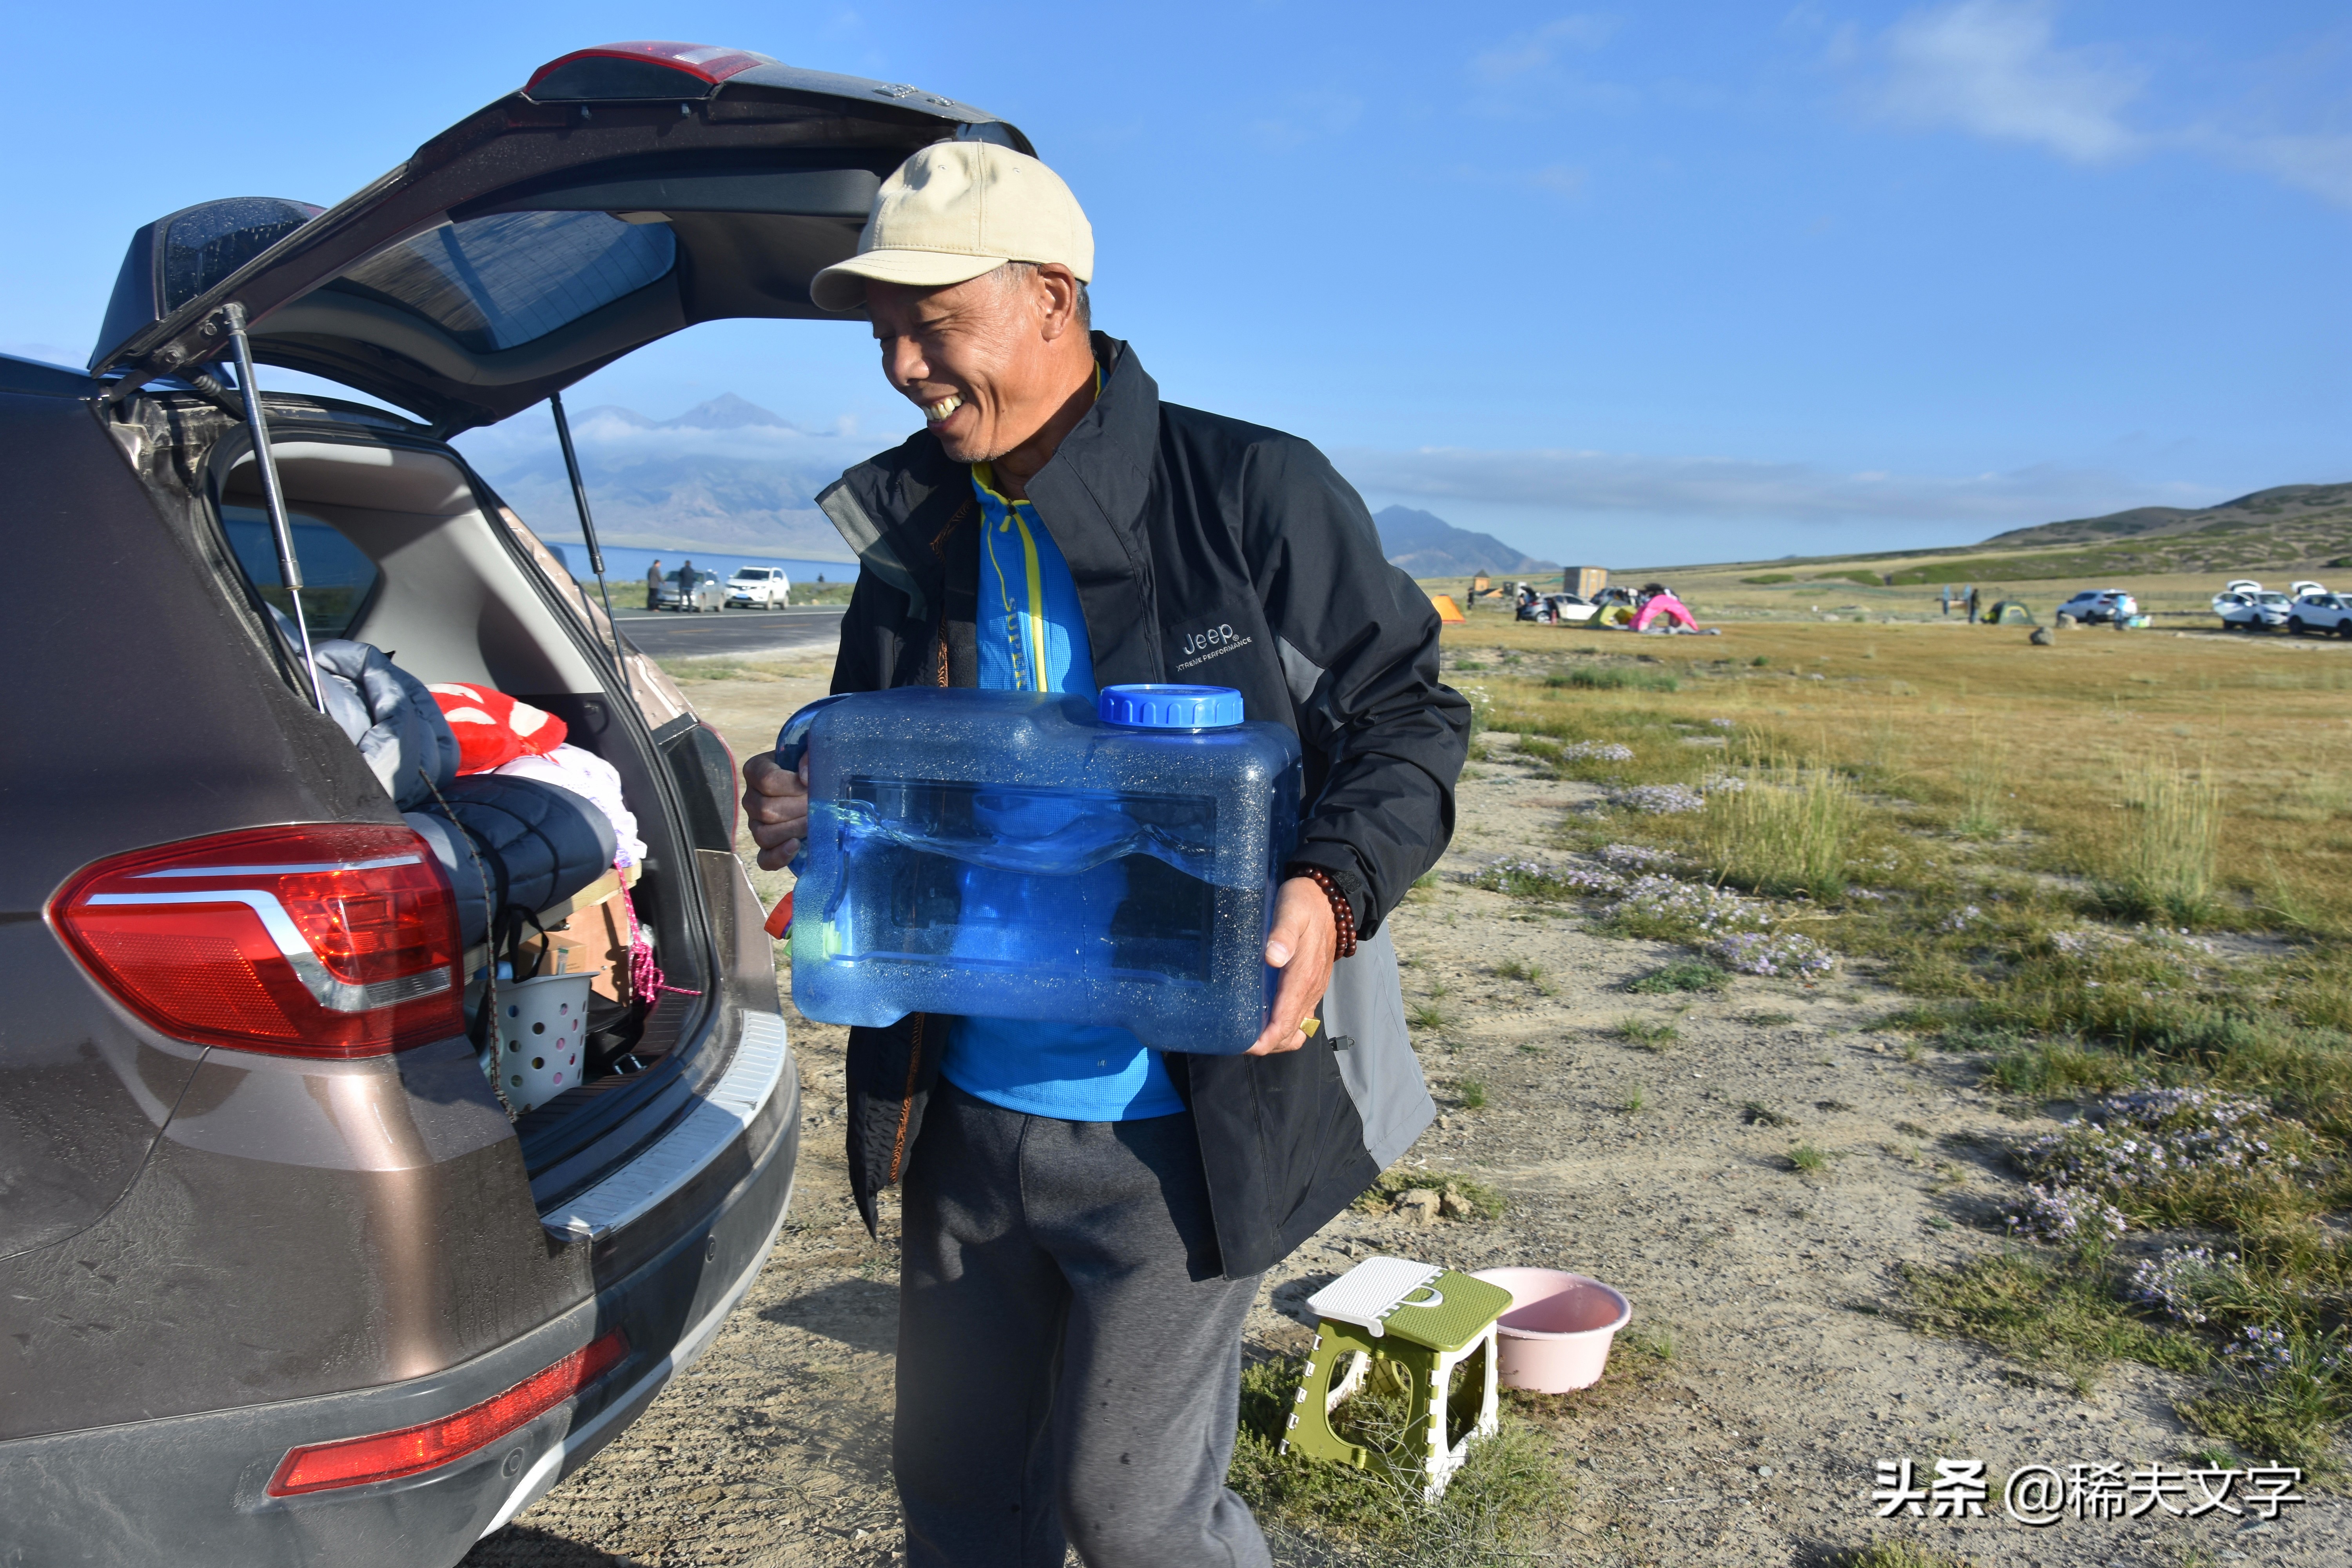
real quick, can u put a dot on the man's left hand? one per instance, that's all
(1303, 940)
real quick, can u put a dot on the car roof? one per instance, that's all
(626, 193)
(41, 378)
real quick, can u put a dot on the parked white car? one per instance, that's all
(2317, 610)
(760, 588)
(2245, 606)
(2093, 605)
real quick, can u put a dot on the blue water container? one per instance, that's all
(1017, 855)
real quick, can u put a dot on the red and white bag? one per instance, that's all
(493, 729)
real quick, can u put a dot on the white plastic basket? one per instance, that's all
(542, 1032)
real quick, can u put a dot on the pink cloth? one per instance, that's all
(1664, 604)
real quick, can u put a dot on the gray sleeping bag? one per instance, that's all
(510, 846)
(389, 717)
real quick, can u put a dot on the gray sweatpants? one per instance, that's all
(1069, 1362)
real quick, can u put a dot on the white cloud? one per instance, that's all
(1575, 486)
(2321, 165)
(618, 438)
(1307, 117)
(48, 353)
(1992, 68)
(1536, 50)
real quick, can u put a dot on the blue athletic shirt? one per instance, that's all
(1032, 637)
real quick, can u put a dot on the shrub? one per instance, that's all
(2190, 1283)
(1527, 878)
(1897, 1554)
(704, 670)
(2049, 1069)
(2177, 1156)
(1613, 678)
(1682, 975)
(1662, 907)
(1508, 1490)
(1782, 954)
(2066, 1216)
(1575, 751)
(2039, 1310)
(2283, 1395)
(1641, 1032)
(1485, 1201)
(1658, 800)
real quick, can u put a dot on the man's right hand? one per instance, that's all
(776, 803)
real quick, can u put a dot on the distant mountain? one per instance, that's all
(1427, 545)
(726, 476)
(2283, 510)
(2285, 529)
(724, 412)
(729, 476)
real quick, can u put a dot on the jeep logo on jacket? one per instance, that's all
(1205, 550)
(1204, 646)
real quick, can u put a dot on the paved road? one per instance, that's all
(671, 635)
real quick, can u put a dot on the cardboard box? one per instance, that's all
(595, 941)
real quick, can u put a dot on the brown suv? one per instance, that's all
(282, 1281)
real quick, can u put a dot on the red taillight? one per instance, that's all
(708, 63)
(320, 940)
(356, 1461)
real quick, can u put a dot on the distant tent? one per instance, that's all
(2009, 613)
(1448, 611)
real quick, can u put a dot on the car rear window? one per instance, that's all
(203, 247)
(336, 578)
(510, 278)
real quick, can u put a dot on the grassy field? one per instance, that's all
(2177, 601)
(2113, 871)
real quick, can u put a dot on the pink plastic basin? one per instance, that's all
(1556, 1336)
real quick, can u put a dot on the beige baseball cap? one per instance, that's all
(955, 210)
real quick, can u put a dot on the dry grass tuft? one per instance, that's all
(2163, 868)
(1784, 830)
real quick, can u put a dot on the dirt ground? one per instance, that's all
(1752, 1442)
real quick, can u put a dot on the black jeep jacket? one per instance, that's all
(1208, 551)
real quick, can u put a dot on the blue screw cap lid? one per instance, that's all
(1169, 707)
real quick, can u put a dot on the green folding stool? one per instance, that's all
(1428, 1320)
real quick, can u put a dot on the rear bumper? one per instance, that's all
(190, 1491)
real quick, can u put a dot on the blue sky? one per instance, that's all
(1675, 282)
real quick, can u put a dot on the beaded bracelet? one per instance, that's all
(1343, 913)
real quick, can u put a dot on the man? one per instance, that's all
(653, 585)
(1085, 1221)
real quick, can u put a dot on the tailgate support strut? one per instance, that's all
(290, 569)
(588, 533)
